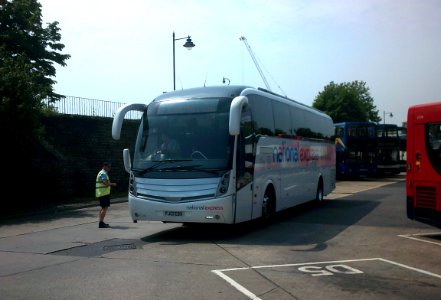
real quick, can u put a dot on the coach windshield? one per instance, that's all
(184, 138)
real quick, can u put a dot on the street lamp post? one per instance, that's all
(384, 116)
(189, 44)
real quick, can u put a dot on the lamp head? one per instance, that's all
(189, 44)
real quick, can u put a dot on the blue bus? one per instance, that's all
(355, 149)
(388, 149)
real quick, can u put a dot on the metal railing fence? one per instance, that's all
(72, 105)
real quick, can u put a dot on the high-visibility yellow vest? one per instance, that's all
(100, 188)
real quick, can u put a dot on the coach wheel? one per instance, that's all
(268, 205)
(319, 195)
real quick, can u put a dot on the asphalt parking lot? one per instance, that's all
(358, 244)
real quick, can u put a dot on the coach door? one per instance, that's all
(245, 158)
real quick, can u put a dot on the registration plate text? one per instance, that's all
(173, 213)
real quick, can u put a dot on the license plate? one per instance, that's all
(173, 213)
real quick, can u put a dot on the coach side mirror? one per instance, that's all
(127, 160)
(235, 113)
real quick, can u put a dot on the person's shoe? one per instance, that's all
(103, 225)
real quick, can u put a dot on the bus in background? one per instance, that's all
(388, 149)
(402, 146)
(239, 153)
(423, 176)
(355, 149)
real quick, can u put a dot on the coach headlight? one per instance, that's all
(132, 184)
(223, 184)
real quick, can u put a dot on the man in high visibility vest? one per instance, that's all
(102, 192)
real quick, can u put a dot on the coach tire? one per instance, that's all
(268, 205)
(319, 194)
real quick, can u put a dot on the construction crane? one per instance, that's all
(242, 38)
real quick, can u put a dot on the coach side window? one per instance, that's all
(297, 121)
(309, 126)
(262, 113)
(282, 119)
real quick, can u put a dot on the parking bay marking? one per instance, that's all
(332, 267)
(416, 235)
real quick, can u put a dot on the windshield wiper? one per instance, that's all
(152, 167)
(161, 162)
(191, 168)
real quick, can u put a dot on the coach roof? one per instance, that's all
(229, 91)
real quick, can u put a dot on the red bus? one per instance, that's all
(423, 176)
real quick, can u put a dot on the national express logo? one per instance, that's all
(297, 153)
(204, 207)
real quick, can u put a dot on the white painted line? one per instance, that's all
(236, 285)
(313, 263)
(297, 264)
(251, 295)
(411, 268)
(424, 233)
(415, 237)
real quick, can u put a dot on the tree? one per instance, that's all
(28, 52)
(345, 102)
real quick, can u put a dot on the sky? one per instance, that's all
(122, 51)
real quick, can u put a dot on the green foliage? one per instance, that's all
(23, 38)
(346, 102)
(28, 52)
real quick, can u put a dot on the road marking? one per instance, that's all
(416, 235)
(346, 188)
(411, 268)
(236, 285)
(329, 270)
(250, 295)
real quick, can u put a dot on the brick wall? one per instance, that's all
(75, 148)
